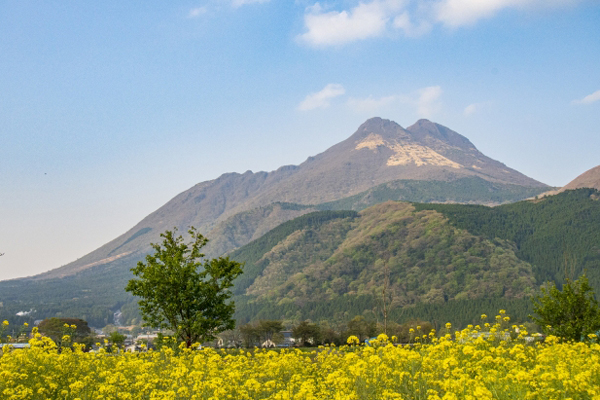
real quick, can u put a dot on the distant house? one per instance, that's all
(288, 339)
(151, 337)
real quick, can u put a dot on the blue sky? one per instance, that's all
(108, 110)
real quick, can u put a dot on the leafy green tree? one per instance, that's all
(56, 328)
(309, 334)
(362, 328)
(180, 291)
(571, 313)
(250, 334)
(117, 338)
(269, 329)
(108, 329)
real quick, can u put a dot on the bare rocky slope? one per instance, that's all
(589, 179)
(380, 151)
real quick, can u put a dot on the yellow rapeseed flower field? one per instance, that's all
(457, 365)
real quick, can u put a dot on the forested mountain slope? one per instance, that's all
(559, 235)
(442, 259)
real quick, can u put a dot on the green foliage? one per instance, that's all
(260, 331)
(407, 332)
(544, 231)
(307, 333)
(250, 334)
(361, 328)
(77, 329)
(251, 253)
(571, 313)
(180, 293)
(268, 329)
(117, 338)
(429, 262)
(91, 295)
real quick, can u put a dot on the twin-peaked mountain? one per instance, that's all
(381, 161)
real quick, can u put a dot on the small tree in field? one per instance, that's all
(181, 292)
(571, 313)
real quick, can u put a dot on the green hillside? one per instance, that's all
(338, 267)
(92, 295)
(446, 262)
(558, 235)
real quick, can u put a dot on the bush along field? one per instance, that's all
(486, 361)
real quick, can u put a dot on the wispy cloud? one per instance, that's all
(590, 98)
(475, 108)
(323, 98)
(425, 102)
(371, 104)
(326, 27)
(428, 101)
(196, 12)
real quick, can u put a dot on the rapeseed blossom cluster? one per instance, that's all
(470, 364)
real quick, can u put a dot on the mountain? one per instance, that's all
(589, 179)
(379, 152)
(381, 161)
(442, 259)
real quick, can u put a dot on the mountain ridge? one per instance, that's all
(423, 152)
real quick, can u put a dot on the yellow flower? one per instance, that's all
(352, 340)
(5, 323)
(448, 325)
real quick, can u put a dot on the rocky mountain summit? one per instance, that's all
(379, 152)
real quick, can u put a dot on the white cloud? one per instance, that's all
(404, 22)
(428, 101)
(455, 13)
(412, 17)
(463, 12)
(590, 98)
(364, 21)
(196, 12)
(371, 104)
(239, 3)
(323, 98)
